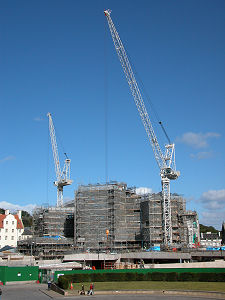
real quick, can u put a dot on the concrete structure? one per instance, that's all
(185, 225)
(107, 217)
(11, 229)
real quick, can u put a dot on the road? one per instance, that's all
(37, 292)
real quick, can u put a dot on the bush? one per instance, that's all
(97, 277)
(140, 277)
(156, 276)
(130, 276)
(186, 277)
(173, 276)
(220, 277)
(63, 282)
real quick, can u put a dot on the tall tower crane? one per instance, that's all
(166, 160)
(63, 177)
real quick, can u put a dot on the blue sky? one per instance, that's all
(58, 56)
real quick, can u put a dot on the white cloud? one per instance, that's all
(14, 207)
(143, 190)
(213, 212)
(202, 155)
(212, 218)
(213, 199)
(7, 158)
(197, 140)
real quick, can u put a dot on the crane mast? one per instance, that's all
(63, 177)
(166, 160)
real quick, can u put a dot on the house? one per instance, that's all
(27, 234)
(11, 229)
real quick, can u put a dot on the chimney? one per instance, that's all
(19, 214)
(7, 212)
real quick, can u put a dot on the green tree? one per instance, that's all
(204, 229)
(27, 219)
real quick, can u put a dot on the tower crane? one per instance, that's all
(63, 177)
(165, 159)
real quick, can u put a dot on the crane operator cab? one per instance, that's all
(170, 173)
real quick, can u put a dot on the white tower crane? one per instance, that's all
(63, 177)
(165, 161)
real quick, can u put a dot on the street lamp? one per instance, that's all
(31, 250)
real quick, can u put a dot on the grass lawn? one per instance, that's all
(153, 285)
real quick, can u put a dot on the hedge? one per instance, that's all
(65, 280)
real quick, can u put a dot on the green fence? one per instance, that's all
(9, 274)
(141, 271)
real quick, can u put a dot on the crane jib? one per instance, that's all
(166, 162)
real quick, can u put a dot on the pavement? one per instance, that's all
(40, 292)
(153, 293)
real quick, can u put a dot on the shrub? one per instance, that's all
(63, 282)
(220, 277)
(172, 276)
(207, 277)
(97, 277)
(130, 276)
(156, 276)
(186, 277)
(140, 277)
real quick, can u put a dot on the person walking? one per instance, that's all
(91, 292)
(82, 290)
(0, 293)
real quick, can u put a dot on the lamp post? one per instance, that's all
(31, 251)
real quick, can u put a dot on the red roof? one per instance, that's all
(19, 222)
(2, 217)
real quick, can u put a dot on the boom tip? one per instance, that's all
(107, 12)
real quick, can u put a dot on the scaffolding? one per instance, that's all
(54, 221)
(107, 216)
(46, 248)
(152, 220)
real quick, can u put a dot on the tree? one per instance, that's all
(2, 211)
(204, 229)
(27, 219)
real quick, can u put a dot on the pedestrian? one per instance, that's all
(82, 290)
(91, 292)
(49, 285)
(0, 293)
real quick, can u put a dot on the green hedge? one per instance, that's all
(65, 280)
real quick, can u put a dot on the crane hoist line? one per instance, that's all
(165, 159)
(62, 176)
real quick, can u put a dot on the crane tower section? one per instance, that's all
(166, 160)
(62, 177)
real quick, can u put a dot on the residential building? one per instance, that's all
(11, 229)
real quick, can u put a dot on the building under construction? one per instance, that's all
(185, 226)
(107, 217)
(114, 217)
(54, 221)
